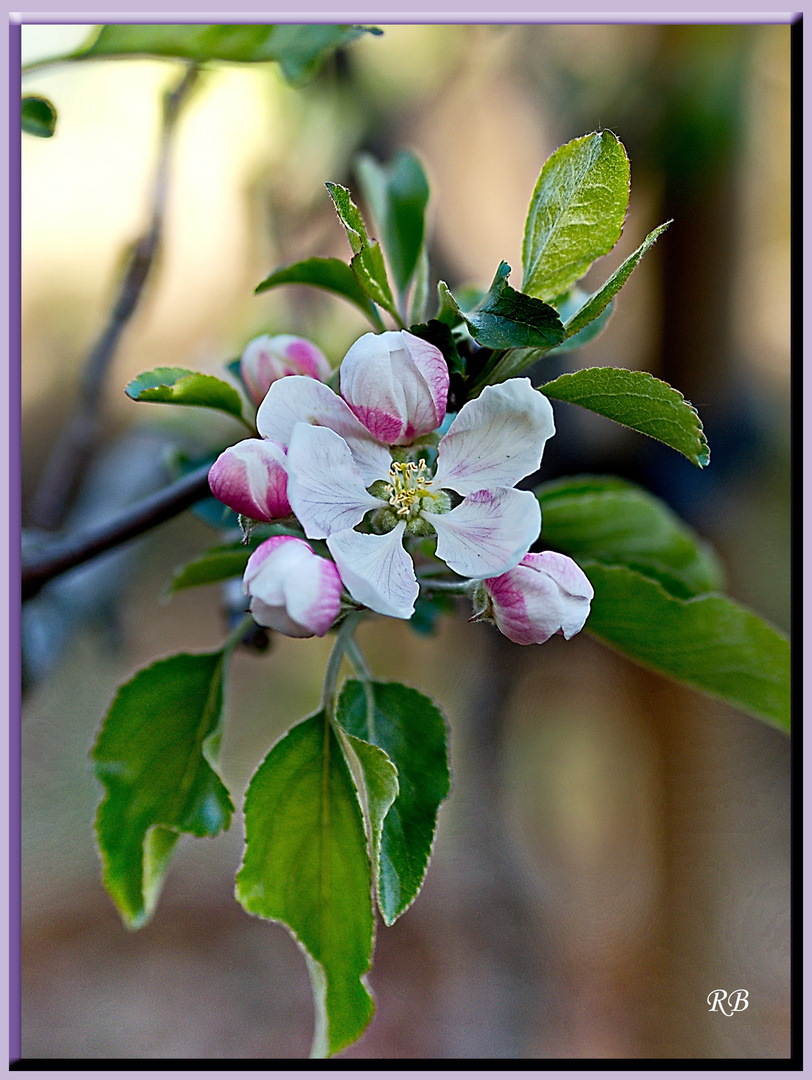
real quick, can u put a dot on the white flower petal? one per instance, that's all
(325, 487)
(496, 439)
(396, 384)
(377, 570)
(299, 399)
(488, 533)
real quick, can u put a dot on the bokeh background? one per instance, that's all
(615, 846)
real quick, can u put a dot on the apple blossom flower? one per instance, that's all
(546, 594)
(250, 477)
(292, 589)
(343, 472)
(266, 359)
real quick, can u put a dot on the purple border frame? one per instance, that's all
(318, 11)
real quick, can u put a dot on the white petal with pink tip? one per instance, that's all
(325, 486)
(488, 533)
(377, 570)
(496, 439)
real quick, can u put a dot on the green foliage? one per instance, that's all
(398, 195)
(507, 319)
(576, 213)
(708, 642)
(331, 274)
(306, 865)
(155, 757)
(38, 116)
(367, 262)
(612, 521)
(638, 401)
(410, 728)
(179, 386)
(599, 300)
(298, 49)
(217, 564)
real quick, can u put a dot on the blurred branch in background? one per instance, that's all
(68, 460)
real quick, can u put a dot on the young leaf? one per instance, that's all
(612, 521)
(639, 401)
(381, 786)
(154, 755)
(576, 213)
(709, 642)
(367, 261)
(299, 49)
(38, 117)
(179, 386)
(411, 730)
(306, 865)
(507, 319)
(599, 300)
(331, 274)
(397, 195)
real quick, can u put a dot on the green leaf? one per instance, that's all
(397, 195)
(639, 401)
(331, 274)
(154, 755)
(229, 560)
(709, 642)
(381, 786)
(411, 730)
(449, 311)
(179, 386)
(507, 319)
(306, 865)
(38, 117)
(576, 213)
(612, 521)
(599, 300)
(299, 49)
(367, 261)
(217, 564)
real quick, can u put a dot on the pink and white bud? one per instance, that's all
(292, 589)
(396, 384)
(250, 477)
(545, 594)
(266, 359)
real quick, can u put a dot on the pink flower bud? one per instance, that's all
(396, 384)
(250, 477)
(266, 359)
(292, 589)
(545, 594)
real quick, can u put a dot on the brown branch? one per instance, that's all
(39, 566)
(71, 453)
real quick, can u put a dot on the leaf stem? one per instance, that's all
(238, 633)
(340, 646)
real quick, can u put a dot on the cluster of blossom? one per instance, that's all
(366, 470)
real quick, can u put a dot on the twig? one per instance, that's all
(40, 566)
(70, 455)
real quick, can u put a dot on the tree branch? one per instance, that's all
(39, 566)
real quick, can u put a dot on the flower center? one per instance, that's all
(408, 486)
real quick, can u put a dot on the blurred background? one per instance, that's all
(615, 846)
